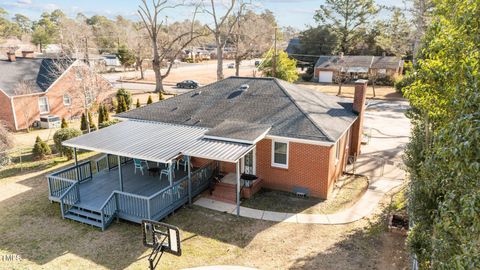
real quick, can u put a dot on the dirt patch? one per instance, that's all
(351, 189)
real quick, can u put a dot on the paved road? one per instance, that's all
(169, 88)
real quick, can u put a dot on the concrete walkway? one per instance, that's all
(362, 208)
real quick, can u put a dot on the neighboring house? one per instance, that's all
(328, 67)
(50, 92)
(292, 138)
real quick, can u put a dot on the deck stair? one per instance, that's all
(85, 216)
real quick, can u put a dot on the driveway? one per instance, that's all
(388, 131)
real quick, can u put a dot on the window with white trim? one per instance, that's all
(43, 104)
(67, 101)
(280, 154)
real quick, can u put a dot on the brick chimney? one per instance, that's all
(11, 56)
(359, 100)
(28, 54)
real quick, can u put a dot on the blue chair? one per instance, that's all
(139, 164)
(166, 171)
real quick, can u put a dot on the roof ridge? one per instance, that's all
(302, 111)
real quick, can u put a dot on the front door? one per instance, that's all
(248, 164)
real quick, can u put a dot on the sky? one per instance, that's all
(295, 13)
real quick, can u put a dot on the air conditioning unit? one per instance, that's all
(50, 121)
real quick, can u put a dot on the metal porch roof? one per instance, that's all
(157, 142)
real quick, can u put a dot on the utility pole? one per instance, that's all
(274, 62)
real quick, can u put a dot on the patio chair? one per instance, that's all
(166, 171)
(140, 164)
(183, 162)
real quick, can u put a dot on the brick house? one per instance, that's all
(300, 137)
(231, 137)
(34, 87)
(328, 67)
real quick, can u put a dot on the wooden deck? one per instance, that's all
(96, 191)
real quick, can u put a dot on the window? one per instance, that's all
(280, 154)
(43, 104)
(67, 101)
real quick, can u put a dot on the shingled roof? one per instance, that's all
(281, 108)
(335, 62)
(41, 73)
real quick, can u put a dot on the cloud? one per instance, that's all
(24, 2)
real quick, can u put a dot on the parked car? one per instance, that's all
(188, 84)
(231, 65)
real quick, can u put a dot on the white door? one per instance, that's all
(325, 76)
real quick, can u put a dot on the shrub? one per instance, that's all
(100, 115)
(149, 101)
(108, 123)
(160, 96)
(126, 96)
(106, 114)
(64, 123)
(307, 77)
(62, 135)
(41, 149)
(122, 106)
(90, 121)
(138, 103)
(403, 82)
(83, 122)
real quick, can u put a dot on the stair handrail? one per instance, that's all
(76, 197)
(110, 199)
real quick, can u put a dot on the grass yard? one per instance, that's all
(32, 228)
(351, 190)
(382, 92)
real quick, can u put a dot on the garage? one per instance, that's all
(325, 76)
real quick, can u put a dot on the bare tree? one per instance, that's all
(341, 74)
(421, 11)
(136, 39)
(76, 37)
(222, 28)
(167, 43)
(86, 87)
(252, 36)
(23, 89)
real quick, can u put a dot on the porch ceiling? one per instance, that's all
(158, 142)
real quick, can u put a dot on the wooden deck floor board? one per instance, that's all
(93, 193)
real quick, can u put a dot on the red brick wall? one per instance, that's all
(308, 166)
(359, 100)
(66, 84)
(6, 114)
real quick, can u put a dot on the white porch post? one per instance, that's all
(238, 187)
(170, 172)
(187, 163)
(76, 163)
(120, 176)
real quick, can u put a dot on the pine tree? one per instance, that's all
(41, 149)
(149, 101)
(138, 103)
(106, 113)
(90, 121)
(122, 105)
(83, 122)
(64, 123)
(100, 115)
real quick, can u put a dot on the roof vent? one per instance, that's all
(244, 87)
(196, 93)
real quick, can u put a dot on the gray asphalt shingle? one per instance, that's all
(290, 110)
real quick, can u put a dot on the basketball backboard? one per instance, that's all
(161, 236)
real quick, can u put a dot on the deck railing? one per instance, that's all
(70, 198)
(108, 210)
(201, 177)
(60, 181)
